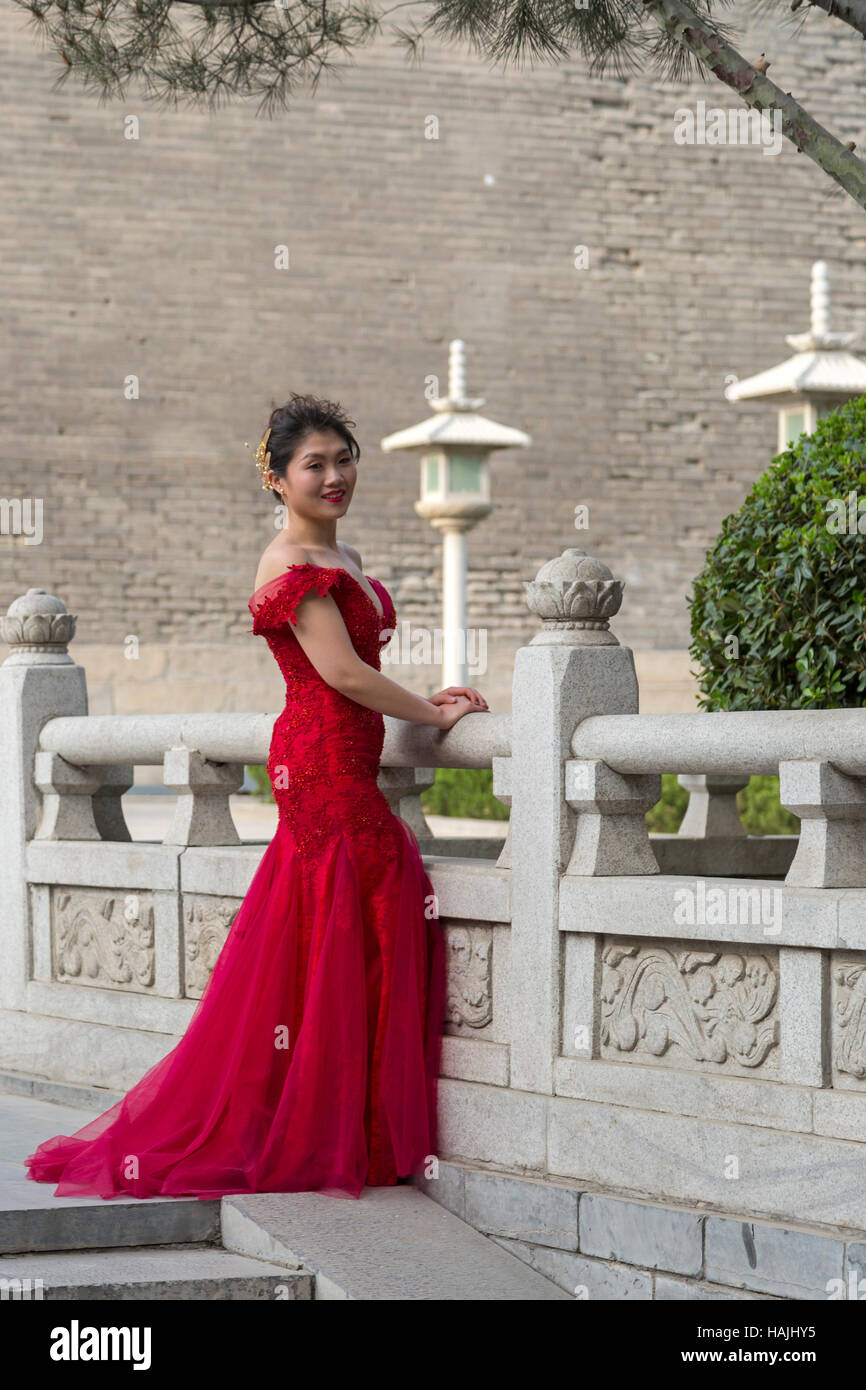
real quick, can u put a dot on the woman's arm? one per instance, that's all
(325, 640)
(322, 634)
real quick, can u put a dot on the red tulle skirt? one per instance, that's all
(311, 1061)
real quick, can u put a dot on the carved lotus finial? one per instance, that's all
(37, 628)
(574, 596)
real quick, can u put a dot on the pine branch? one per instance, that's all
(758, 91)
(851, 12)
(199, 51)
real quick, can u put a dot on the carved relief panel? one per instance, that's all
(667, 1003)
(469, 958)
(206, 923)
(103, 937)
(848, 1013)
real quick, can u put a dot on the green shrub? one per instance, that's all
(263, 790)
(463, 791)
(778, 611)
(758, 804)
(761, 811)
(666, 815)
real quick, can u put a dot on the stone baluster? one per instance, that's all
(832, 810)
(611, 835)
(81, 803)
(202, 815)
(402, 788)
(67, 798)
(107, 804)
(712, 809)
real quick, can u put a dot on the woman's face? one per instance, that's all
(321, 467)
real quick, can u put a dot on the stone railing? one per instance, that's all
(676, 1017)
(83, 766)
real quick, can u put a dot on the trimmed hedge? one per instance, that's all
(779, 610)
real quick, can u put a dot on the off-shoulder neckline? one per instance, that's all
(327, 569)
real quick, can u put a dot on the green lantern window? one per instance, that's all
(795, 425)
(464, 473)
(432, 474)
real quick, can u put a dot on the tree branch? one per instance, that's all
(758, 91)
(851, 12)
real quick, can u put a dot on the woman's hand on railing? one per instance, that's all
(451, 692)
(456, 701)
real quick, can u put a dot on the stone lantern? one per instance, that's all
(454, 445)
(821, 376)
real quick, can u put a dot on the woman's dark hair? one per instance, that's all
(290, 424)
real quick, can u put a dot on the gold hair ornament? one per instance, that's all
(263, 460)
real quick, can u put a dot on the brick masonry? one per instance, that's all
(155, 257)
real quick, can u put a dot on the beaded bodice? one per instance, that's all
(325, 749)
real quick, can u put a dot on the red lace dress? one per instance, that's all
(311, 1060)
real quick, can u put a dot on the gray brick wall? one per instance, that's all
(155, 257)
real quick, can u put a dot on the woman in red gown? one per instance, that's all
(311, 1060)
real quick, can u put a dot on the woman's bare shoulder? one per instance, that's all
(276, 558)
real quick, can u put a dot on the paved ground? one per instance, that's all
(26, 1122)
(149, 815)
(393, 1243)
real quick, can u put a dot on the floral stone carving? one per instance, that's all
(574, 595)
(470, 985)
(102, 938)
(849, 1017)
(37, 627)
(206, 924)
(713, 1006)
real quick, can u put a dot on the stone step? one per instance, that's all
(392, 1243)
(79, 1224)
(149, 1272)
(94, 1098)
(33, 1219)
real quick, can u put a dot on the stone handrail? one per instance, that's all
(103, 739)
(203, 758)
(754, 742)
(820, 757)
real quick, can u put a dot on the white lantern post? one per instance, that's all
(455, 446)
(819, 378)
